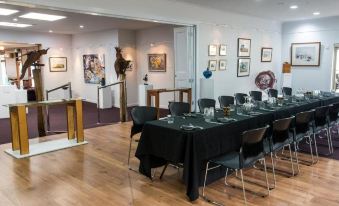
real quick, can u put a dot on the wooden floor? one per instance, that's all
(97, 174)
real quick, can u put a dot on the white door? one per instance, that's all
(184, 53)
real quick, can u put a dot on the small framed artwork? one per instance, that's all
(212, 65)
(58, 64)
(130, 66)
(305, 54)
(223, 50)
(244, 65)
(222, 65)
(157, 62)
(266, 54)
(244, 47)
(212, 50)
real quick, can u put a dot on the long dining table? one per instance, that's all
(162, 142)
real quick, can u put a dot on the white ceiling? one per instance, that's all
(277, 10)
(71, 24)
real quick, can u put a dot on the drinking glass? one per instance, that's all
(240, 110)
(170, 119)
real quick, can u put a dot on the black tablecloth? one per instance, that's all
(161, 142)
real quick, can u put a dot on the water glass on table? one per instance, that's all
(170, 119)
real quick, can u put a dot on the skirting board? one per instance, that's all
(45, 147)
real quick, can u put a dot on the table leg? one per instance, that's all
(189, 98)
(149, 99)
(14, 128)
(181, 96)
(23, 130)
(70, 121)
(157, 104)
(79, 121)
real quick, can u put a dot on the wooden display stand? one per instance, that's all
(19, 128)
(156, 94)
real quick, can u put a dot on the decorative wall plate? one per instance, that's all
(265, 80)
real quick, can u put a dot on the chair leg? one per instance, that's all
(243, 186)
(291, 158)
(268, 186)
(163, 171)
(273, 170)
(328, 141)
(311, 150)
(296, 156)
(316, 147)
(203, 189)
(129, 153)
(226, 177)
(330, 138)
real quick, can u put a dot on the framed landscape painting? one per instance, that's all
(244, 65)
(157, 62)
(266, 54)
(222, 65)
(212, 65)
(244, 47)
(305, 54)
(58, 64)
(212, 50)
(223, 50)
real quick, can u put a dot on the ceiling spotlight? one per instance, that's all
(10, 24)
(294, 7)
(50, 31)
(15, 19)
(7, 12)
(40, 16)
(316, 13)
(81, 26)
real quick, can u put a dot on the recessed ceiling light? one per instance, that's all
(155, 21)
(81, 26)
(6, 12)
(40, 16)
(50, 31)
(15, 19)
(11, 24)
(294, 7)
(316, 13)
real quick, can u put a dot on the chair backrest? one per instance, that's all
(333, 112)
(205, 103)
(281, 129)
(320, 116)
(273, 93)
(287, 91)
(256, 95)
(140, 115)
(240, 98)
(178, 108)
(252, 143)
(225, 101)
(302, 121)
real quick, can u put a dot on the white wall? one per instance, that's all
(60, 46)
(102, 42)
(158, 40)
(227, 82)
(324, 30)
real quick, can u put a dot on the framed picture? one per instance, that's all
(157, 62)
(94, 68)
(244, 47)
(266, 54)
(222, 65)
(212, 50)
(305, 54)
(244, 65)
(212, 65)
(223, 50)
(58, 64)
(130, 66)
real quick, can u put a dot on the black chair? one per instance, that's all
(251, 151)
(178, 108)
(281, 137)
(287, 91)
(205, 103)
(140, 115)
(225, 101)
(333, 116)
(240, 98)
(303, 129)
(273, 93)
(322, 122)
(256, 95)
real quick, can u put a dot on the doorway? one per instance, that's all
(335, 72)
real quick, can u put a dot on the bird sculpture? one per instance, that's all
(32, 58)
(120, 64)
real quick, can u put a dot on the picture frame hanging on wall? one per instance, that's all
(244, 66)
(223, 50)
(244, 47)
(157, 62)
(266, 54)
(212, 65)
(94, 68)
(222, 65)
(306, 54)
(212, 50)
(58, 64)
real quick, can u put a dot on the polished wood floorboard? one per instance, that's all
(97, 174)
